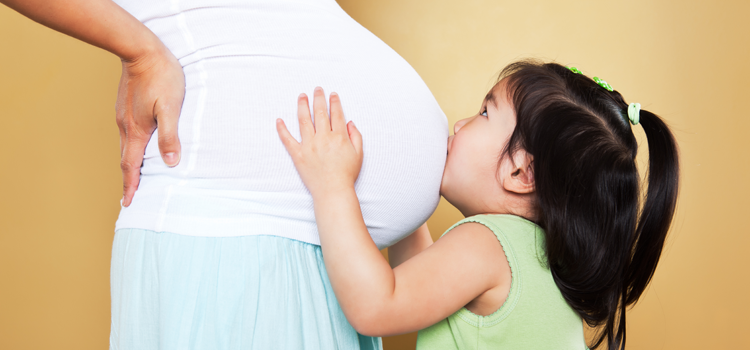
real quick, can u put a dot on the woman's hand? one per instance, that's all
(152, 85)
(151, 91)
(330, 155)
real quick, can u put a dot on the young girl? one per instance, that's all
(555, 229)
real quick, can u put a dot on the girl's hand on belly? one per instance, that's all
(329, 157)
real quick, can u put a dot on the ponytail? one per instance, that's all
(658, 209)
(601, 251)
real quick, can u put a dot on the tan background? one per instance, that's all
(685, 60)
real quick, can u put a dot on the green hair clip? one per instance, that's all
(603, 84)
(634, 109)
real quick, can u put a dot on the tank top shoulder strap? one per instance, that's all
(516, 235)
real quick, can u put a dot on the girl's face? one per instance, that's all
(470, 180)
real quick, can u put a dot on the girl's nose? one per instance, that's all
(460, 124)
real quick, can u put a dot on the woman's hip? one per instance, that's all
(173, 291)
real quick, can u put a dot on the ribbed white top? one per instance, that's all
(245, 63)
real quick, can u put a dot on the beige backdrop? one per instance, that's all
(685, 60)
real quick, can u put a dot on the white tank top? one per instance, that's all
(245, 63)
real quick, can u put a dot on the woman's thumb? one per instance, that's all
(167, 116)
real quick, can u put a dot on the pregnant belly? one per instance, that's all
(234, 169)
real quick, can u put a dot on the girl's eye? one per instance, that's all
(484, 111)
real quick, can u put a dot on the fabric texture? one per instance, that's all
(245, 62)
(534, 316)
(173, 292)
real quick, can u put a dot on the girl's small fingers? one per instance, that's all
(355, 137)
(290, 143)
(321, 111)
(338, 123)
(306, 127)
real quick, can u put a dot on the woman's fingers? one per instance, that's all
(150, 95)
(320, 109)
(133, 143)
(338, 123)
(132, 158)
(167, 116)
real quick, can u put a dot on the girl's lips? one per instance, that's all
(450, 142)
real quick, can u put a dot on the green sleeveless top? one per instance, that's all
(534, 316)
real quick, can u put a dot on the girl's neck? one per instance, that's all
(512, 204)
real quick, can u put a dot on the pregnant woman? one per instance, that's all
(219, 250)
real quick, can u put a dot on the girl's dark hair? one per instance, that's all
(602, 242)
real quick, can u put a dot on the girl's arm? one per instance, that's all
(410, 246)
(376, 299)
(152, 85)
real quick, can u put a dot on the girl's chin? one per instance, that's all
(443, 186)
(445, 193)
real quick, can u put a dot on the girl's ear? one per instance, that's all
(520, 177)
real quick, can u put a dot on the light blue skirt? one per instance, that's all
(172, 291)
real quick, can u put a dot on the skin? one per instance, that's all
(426, 282)
(152, 85)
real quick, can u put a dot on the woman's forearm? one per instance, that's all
(101, 23)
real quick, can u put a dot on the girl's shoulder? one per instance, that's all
(500, 224)
(522, 241)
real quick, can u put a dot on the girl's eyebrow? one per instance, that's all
(490, 98)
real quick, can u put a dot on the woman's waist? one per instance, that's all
(193, 206)
(220, 198)
(209, 207)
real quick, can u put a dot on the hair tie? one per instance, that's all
(634, 113)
